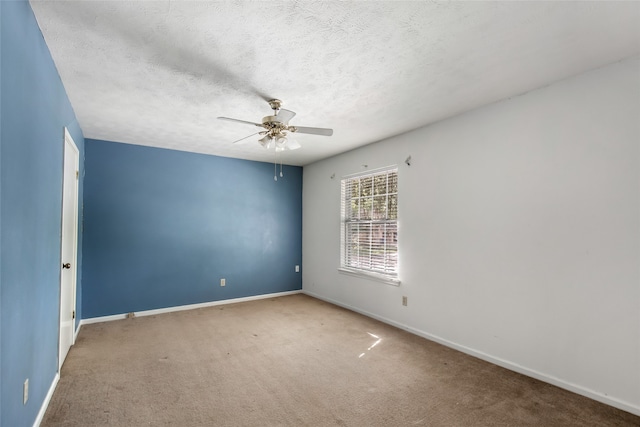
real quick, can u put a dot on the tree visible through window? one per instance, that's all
(369, 234)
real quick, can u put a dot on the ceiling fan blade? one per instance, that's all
(242, 139)
(313, 131)
(240, 121)
(285, 115)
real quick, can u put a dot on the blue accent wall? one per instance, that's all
(34, 109)
(162, 227)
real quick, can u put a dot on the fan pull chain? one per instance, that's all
(277, 160)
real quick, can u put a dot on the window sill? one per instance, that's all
(372, 276)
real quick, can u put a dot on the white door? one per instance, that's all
(69, 246)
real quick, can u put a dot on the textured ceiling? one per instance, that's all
(158, 73)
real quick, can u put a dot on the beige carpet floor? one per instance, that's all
(295, 361)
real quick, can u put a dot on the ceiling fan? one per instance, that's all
(278, 130)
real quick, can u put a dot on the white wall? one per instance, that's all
(519, 233)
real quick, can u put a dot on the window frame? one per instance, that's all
(347, 219)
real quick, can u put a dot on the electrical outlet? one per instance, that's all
(404, 301)
(297, 269)
(25, 391)
(223, 282)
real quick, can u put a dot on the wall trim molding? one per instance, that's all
(75, 334)
(47, 399)
(607, 400)
(153, 312)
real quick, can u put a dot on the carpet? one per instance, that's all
(295, 361)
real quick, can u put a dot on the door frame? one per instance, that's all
(69, 143)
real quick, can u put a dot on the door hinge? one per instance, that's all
(77, 174)
(73, 314)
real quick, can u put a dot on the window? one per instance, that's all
(369, 236)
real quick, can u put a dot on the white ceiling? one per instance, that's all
(158, 73)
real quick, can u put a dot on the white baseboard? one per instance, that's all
(75, 334)
(608, 400)
(102, 319)
(47, 399)
(185, 307)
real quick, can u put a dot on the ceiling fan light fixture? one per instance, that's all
(266, 141)
(281, 141)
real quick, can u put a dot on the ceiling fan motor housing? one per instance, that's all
(273, 125)
(271, 121)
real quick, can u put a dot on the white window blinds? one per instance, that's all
(369, 212)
